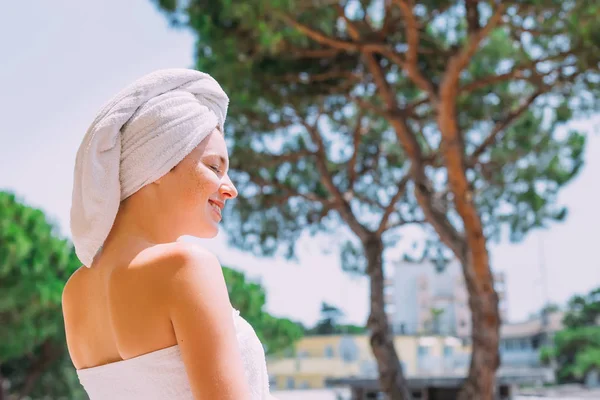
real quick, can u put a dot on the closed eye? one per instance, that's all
(215, 168)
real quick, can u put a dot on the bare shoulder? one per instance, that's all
(74, 308)
(175, 269)
(190, 270)
(190, 255)
(178, 259)
(71, 294)
(201, 316)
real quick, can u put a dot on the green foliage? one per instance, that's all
(547, 354)
(531, 75)
(329, 324)
(577, 348)
(583, 310)
(34, 265)
(44, 375)
(323, 93)
(276, 334)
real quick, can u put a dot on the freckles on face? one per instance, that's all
(201, 172)
(198, 185)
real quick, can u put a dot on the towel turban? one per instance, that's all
(136, 138)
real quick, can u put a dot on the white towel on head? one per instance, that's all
(139, 136)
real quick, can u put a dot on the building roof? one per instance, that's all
(532, 326)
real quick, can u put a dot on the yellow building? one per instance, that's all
(318, 358)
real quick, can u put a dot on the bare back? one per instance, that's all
(117, 312)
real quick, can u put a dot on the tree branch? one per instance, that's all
(352, 29)
(502, 125)
(334, 43)
(364, 199)
(298, 53)
(472, 16)
(517, 72)
(387, 20)
(462, 59)
(412, 38)
(355, 144)
(402, 222)
(343, 207)
(452, 140)
(325, 76)
(437, 12)
(271, 160)
(320, 37)
(423, 188)
(344, 45)
(490, 80)
(392, 205)
(286, 190)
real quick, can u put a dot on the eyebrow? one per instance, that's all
(220, 157)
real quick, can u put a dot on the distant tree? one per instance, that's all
(362, 116)
(436, 314)
(576, 349)
(548, 309)
(330, 323)
(583, 310)
(34, 266)
(276, 334)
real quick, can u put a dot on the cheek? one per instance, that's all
(200, 185)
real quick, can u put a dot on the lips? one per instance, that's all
(216, 206)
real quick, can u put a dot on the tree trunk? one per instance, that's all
(474, 256)
(391, 376)
(485, 325)
(2, 393)
(48, 354)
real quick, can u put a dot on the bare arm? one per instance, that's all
(201, 315)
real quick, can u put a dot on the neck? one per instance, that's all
(139, 221)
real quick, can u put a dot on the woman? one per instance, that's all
(149, 317)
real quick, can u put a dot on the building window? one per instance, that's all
(290, 382)
(448, 351)
(329, 351)
(304, 385)
(403, 366)
(510, 345)
(388, 290)
(303, 354)
(423, 351)
(402, 328)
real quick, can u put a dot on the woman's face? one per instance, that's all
(197, 189)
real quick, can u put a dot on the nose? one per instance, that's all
(227, 189)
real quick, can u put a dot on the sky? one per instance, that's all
(62, 60)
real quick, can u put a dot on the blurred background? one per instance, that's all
(339, 218)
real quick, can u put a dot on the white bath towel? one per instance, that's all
(137, 137)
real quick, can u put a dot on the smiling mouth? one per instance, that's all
(215, 207)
